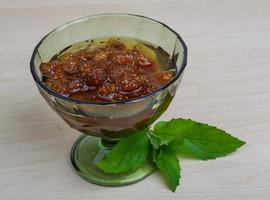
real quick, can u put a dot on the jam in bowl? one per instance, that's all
(108, 76)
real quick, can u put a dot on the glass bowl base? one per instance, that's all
(88, 150)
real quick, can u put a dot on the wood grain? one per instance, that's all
(226, 83)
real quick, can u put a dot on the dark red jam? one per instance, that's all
(109, 72)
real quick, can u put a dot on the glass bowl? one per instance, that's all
(103, 124)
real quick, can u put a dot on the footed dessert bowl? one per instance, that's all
(105, 123)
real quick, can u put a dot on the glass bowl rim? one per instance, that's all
(163, 87)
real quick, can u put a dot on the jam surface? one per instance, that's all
(109, 72)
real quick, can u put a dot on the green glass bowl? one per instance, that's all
(103, 124)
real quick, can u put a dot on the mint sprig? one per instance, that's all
(168, 140)
(200, 140)
(168, 163)
(128, 154)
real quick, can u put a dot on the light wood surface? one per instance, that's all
(226, 83)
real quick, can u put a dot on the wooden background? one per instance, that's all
(226, 83)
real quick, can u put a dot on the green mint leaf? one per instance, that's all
(200, 140)
(155, 141)
(176, 144)
(169, 131)
(168, 163)
(128, 154)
